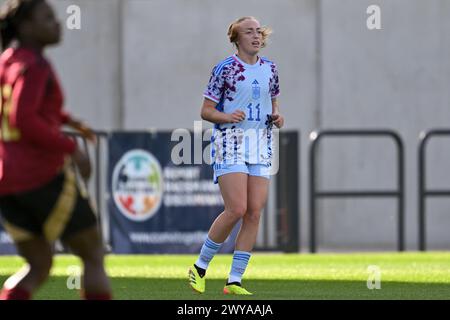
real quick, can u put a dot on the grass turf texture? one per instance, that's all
(269, 276)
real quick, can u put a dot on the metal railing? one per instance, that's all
(315, 194)
(423, 191)
(287, 192)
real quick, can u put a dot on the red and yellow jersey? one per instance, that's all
(32, 147)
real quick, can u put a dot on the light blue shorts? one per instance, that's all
(257, 170)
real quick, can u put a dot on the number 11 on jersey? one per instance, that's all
(250, 112)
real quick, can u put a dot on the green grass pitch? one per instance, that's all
(269, 276)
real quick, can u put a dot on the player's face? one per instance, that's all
(250, 36)
(46, 27)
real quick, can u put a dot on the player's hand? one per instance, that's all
(236, 116)
(278, 120)
(82, 162)
(85, 131)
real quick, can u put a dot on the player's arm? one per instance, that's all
(211, 114)
(80, 126)
(27, 97)
(277, 118)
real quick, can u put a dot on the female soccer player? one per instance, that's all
(241, 100)
(39, 199)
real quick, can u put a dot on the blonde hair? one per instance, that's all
(233, 31)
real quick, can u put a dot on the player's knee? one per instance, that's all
(253, 215)
(87, 245)
(93, 255)
(237, 210)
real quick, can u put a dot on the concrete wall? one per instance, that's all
(89, 64)
(395, 78)
(170, 48)
(139, 64)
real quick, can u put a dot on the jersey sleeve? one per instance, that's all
(65, 117)
(28, 93)
(215, 88)
(274, 82)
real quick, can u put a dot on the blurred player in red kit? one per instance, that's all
(40, 201)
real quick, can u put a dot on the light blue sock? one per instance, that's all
(240, 262)
(208, 251)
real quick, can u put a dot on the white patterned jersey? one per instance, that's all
(235, 85)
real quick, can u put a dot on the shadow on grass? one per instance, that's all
(177, 289)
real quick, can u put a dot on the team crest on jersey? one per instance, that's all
(137, 185)
(256, 90)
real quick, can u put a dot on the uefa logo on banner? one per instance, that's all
(137, 185)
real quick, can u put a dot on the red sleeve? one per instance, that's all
(28, 94)
(65, 117)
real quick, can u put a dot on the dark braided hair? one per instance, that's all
(12, 14)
